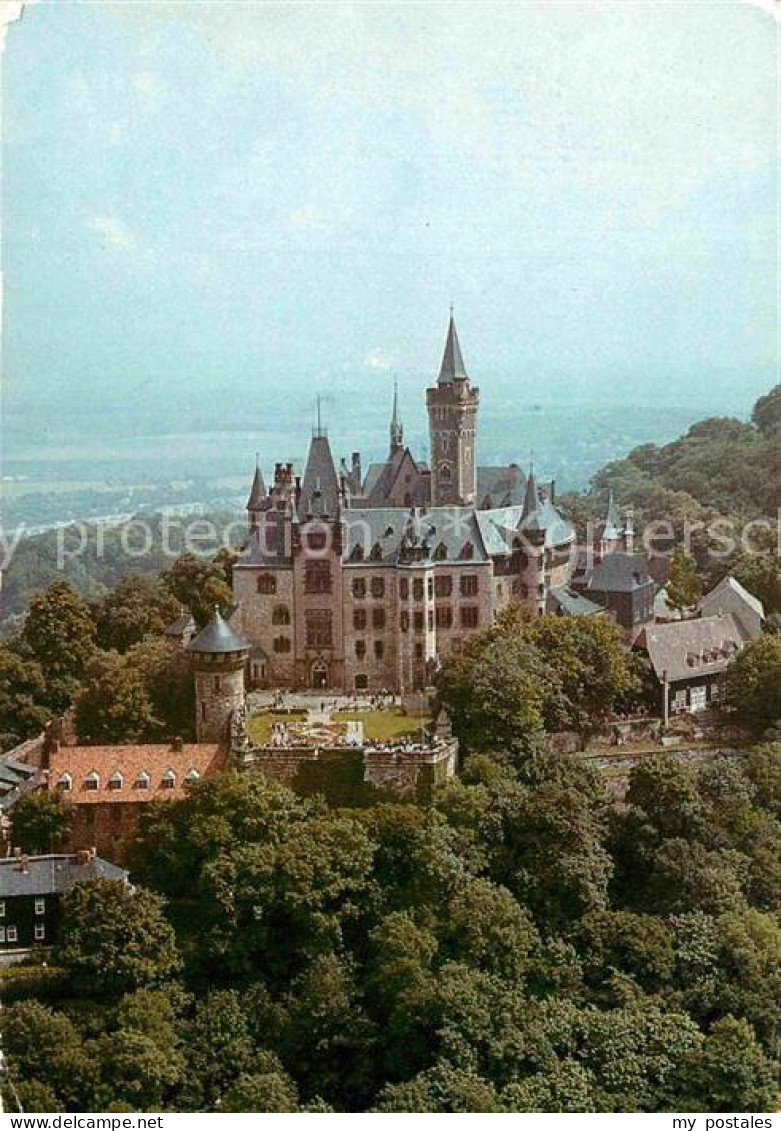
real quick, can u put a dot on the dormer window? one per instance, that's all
(192, 775)
(440, 553)
(168, 780)
(356, 554)
(376, 552)
(116, 781)
(467, 551)
(65, 783)
(92, 780)
(143, 780)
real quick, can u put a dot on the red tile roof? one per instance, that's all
(131, 762)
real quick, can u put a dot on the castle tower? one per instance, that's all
(452, 414)
(396, 427)
(530, 546)
(218, 657)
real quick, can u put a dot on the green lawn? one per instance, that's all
(385, 726)
(259, 726)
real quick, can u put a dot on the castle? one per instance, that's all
(363, 583)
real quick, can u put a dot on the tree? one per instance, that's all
(23, 696)
(684, 588)
(220, 1050)
(165, 673)
(40, 821)
(271, 1090)
(440, 1089)
(198, 585)
(43, 1046)
(135, 1071)
(753, 685)
(60, 634)
(137, 607)
(115, 938)
(112, 705)
(729, 1072)
(766, 413)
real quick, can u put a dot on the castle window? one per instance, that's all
(378, 618)
(317, 578)
(470, 616)
(378, 587)
(192, 775)
(318, 628)
(419, 622)
(361, 682)
(404, 588)
(267, 583)
(404, 622)
(92, 780)
(468, 585)
(379, 649)
(359, 619)
(316, 541)
(444, 472)
(356, 554)
(417, 589)
(444, 616)
(360, 648)
(116, 781)
(467, 551)
(359, 587)
(65, 784)
(168, 780)
(143, 780)
(440, 553)
(376, 552)
(281, 615)
(281, 644)
(418, 651)
(443, 586)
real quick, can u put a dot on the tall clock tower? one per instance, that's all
(452, 420)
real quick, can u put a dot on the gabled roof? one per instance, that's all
(500, 486)
(501, 527)
(183, 623)
(619, 573)
(452, 367)
(728, 596)
(218, 638)
(52, 875)
(454, 529)
(686, 649)
(320, 485)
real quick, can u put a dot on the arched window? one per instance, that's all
(92, 780)
(440, 553)
(445, 473)
(467, 551)
(143, 780)
(376, 552)
(116, 781)
(267, 583)
(65, 783)
(281, 615)
(192, 775)
(168, 780)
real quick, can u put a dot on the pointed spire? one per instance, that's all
(396, 427)
(452, 368)
(612, 517)
(257, 494)
(531, 499)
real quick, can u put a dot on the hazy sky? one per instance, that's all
(220, 209)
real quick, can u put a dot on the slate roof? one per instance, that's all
(619, 573)
(16, 779)
(320, 485)
(257, 495)
(131, 761)
(568, 602)
(452, 367)
(257, 553)
(686, 649)
(500, 527)
(444, 531)
(218, 638)
(500, 486)
(729, 596)
(52, 875)
(183, 623)
(612, 528)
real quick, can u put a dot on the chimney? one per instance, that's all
(552, 492)
(83, 857)
(24, 862)
(177, 744)
(356, 462)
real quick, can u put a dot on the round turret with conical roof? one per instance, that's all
(218, 656)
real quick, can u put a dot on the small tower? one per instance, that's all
(218, 657)
(396, 427)
(257, 502)
(452, 414)
(530, 542)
